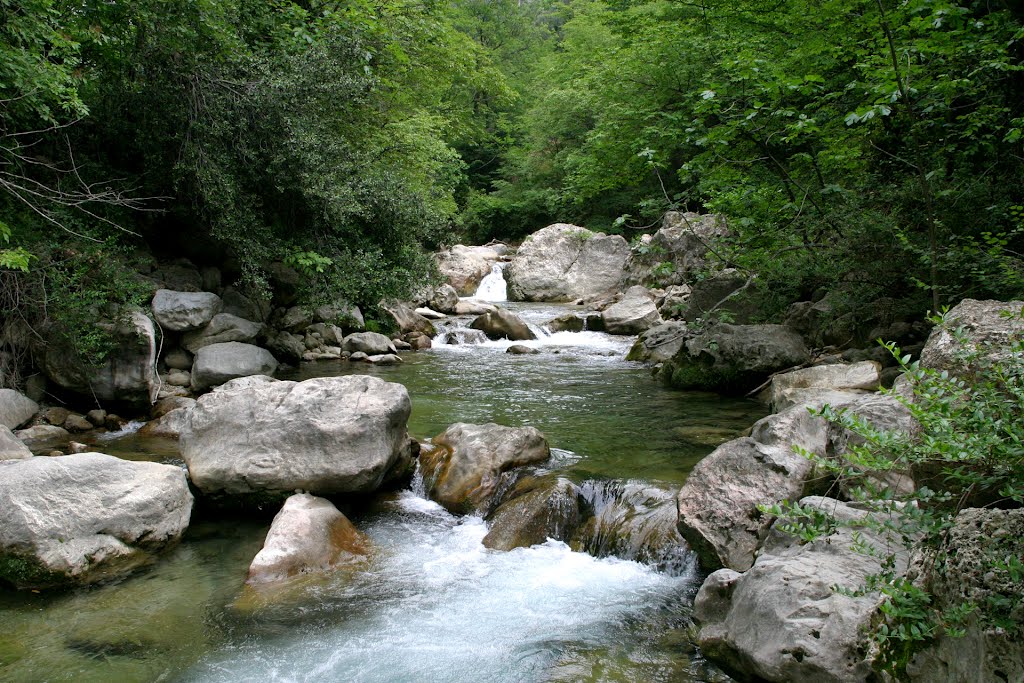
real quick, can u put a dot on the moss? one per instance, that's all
(26, 572)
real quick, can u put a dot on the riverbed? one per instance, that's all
(432, 604)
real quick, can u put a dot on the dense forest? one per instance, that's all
(866, 147)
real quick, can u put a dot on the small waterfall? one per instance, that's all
(492, 287)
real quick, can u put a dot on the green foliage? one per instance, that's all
(968, 450)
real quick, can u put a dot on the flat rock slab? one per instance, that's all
(77, 519)
(257, 437)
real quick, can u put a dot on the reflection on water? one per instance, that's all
(434, 604)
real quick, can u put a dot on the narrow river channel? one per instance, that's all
(432, 604)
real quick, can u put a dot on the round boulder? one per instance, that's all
(184, 311)
(15, 408)
(462, 472)
(308, 535)
(219, 363)
(500, 324)
(258, 438)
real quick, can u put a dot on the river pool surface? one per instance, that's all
(432, 604)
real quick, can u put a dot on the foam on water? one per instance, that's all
(439, 606)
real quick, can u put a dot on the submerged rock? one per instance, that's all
(86, 517)
(565, 262)
(552, 510)
(308, 535)
(259, 438)
(501, 324)
(462, 472)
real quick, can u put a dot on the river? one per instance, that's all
(432, 604)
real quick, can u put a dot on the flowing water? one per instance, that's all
(432, 604)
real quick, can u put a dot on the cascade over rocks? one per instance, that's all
(260, 438)
(87, 517)
(308, 535)
(15, 408)
(683, 242)
(636, 312)
(462, 471)
(464, 267)
(219, 363)
(781, 620)
(734, 358)
(551, 508)
(127, 375)
(564, 262)
(500, 324)
(184, 311)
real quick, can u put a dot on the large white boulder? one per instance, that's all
(184, 311)
(81, 518)
(257, 437)
(563, 262)
(308, 535)
(219, 363)
(16, 408)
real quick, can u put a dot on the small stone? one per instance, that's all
(96, 417)
(77, 447)
(114, 422)
(56, 415)
(77, 423)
